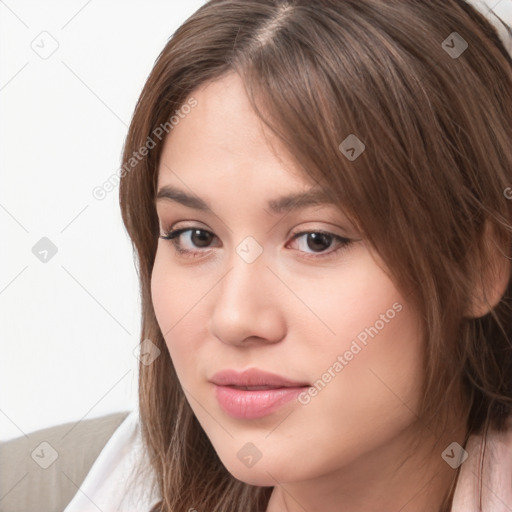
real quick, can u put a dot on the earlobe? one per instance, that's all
(492, 280)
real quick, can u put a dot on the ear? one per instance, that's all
(492, 280)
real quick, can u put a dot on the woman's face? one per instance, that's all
(250, 292)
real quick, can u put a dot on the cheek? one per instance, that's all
(355, 301)
(163, 286)
(177, 307)
(167, 292)
(367, 392)
(173, 294)
(383, 372)
(368, 371)
(388, 331)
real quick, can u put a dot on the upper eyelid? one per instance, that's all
(197, 225)
(293, 232)
(162, 209)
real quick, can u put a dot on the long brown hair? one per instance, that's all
(437, 130)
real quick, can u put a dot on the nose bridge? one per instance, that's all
(244, 284)
(244, 306)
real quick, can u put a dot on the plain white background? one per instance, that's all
(69, 325)
(71, 72)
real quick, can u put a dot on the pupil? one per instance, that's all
(318, 241)
(201, 238)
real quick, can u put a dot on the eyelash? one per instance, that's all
(173, 237)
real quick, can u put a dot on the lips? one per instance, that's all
(253, 388)
(253, 393)
(254, 378)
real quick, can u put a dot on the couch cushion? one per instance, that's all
(43, 471)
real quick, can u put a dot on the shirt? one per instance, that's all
(496, 471)
(112, 484)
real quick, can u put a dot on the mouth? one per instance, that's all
(254, 378)
(256, 388)
(254, 393)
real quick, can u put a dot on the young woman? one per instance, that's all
(319, 198)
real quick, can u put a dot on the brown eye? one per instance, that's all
(188, 239)
(319, 244)
(201, 238)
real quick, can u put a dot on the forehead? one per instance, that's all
(222, 142)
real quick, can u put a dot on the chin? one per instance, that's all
(264, 473)
(259, 479)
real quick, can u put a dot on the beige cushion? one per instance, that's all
(43, 471)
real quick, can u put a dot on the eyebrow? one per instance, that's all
(287, 203)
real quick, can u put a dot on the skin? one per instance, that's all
(352, 446)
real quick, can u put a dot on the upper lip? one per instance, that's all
(254, 377)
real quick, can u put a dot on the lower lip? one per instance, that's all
(246, 404)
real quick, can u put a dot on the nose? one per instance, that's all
(248, 305)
